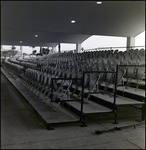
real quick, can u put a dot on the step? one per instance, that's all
(47, 114)
(90, 107)
(120, 100)
(129, 92)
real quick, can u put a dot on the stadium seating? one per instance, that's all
(36, 75)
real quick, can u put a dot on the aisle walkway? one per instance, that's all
(21, 128)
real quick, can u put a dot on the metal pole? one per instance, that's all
(81, 116)
(115, 92)
(51, 89)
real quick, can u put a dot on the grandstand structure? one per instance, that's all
(70, 87)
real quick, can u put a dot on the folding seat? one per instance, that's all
(37, 84)
(125, 62)
(68, 73)
(73, 73)
(141, 52)
(102, 75)
(104, 60)
(77, 83)
(93, 84)
(24, 78)
(135, 51)
(116, 51)
(27, 77)
(120, 78)
(130, 74)
(59, 73)
(113, 66)
(142, 60)
(99, 59)
(109, 79)
(63, 72)
(134, 55)
(107, 66)
(95, 67)
(126, 55)
(31, 78)
(62, 92)
(110, 59)
(117, 61)
(123, 68)
(78, 87)
(140, 75)
(134, 61)
(65, 83)
(100, 65)
(45, 87)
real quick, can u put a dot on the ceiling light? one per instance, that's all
(99, 2)
(20, 41)
(73, 21)
(36, 35)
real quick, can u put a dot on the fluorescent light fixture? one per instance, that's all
(99, 2)
(73, 21)
(36, 35)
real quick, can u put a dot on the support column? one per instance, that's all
(53, 49)
(130, 42)
(21, 50)
(78, 48)
(59, 47)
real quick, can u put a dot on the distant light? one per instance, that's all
(36, 35)
(99, 2)
(20, 41)
(73, 21)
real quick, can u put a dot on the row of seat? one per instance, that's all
(15, 68)
(63, 63)
(38, 79)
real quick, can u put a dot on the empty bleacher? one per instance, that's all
(95, 82)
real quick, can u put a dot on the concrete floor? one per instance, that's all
(21, 129)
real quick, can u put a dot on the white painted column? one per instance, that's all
(78, 48)
(21, 50)
(53, 49)
(130, 42)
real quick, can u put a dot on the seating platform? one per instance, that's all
(90, 107)
(120, 100)
(47, 96)
(130, 90)
(45, 113)
(130, 97)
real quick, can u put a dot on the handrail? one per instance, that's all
(116, 72)
(81, 110)
(111, 48)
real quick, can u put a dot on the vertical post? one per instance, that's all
(53, 49)
(51, 89)
(143, 112)
(115, 115)
(81, 116)
(78, 48)
(130, 42)
(21, 50)
(59, 47)
(115, 92)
